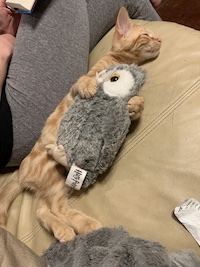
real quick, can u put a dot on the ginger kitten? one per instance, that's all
(39, 172)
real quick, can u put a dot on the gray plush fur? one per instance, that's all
(93, 130)
(114, 247)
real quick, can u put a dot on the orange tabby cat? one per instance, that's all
(40, 173)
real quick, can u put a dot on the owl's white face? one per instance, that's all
(116, 83)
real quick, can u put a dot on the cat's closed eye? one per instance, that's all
(145, 34)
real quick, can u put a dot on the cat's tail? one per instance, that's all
(7, 194)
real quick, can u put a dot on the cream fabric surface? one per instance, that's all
(157, 167)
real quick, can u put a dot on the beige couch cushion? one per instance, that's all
(158, 166)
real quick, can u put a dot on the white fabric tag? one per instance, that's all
(188, 213)
(75, 177)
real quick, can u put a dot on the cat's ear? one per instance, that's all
(123, 23)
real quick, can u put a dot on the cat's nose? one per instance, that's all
(159, 40)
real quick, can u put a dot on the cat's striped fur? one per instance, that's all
(40, 173)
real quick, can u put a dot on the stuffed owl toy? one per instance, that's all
(115, 247)
(92, 130)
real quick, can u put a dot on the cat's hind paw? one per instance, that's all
(81, 223)
(90, 226)
(64, 234)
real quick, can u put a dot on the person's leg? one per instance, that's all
(7, 42)
(6, 131)
(14, 253)
(51, 53)
(102, 15)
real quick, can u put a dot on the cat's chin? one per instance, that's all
(149, 55)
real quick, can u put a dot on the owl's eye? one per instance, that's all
(115, 77)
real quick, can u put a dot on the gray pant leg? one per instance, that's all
(103, 14)
(51, 53)
(14, 253)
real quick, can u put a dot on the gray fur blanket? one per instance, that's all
(116, 248)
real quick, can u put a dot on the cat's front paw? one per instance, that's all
(86, 87)
(135, 106)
